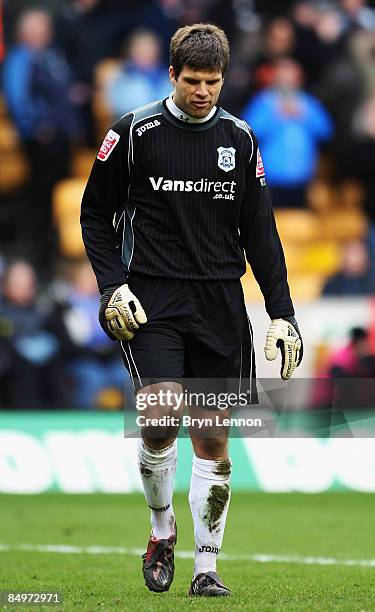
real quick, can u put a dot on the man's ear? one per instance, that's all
(172, 75)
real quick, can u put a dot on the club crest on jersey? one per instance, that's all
(226, 160)
(108, 144)
(259, 168)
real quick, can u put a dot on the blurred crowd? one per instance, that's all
(302, 75)
(53, 353)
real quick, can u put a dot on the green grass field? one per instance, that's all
(338, 526)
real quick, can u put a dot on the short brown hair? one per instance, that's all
(201, 46)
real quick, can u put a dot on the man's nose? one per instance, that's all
(202, 90)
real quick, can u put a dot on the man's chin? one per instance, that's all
(200, 113)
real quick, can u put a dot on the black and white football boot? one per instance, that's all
(158, 563)
(208, 585)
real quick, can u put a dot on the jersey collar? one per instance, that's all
(179, 114)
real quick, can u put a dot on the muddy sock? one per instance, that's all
(157, 468)
(209, 498)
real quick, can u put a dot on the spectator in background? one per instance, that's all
(82, 33)
(320, 37)
(38, 88)
(355, 359)
(94, 361)
(244, 30)
(355, 276)
(339, 381)
(91, 31)
(358, 14)
(361, 160)
(290, 124)
(254, 52)
(279, 42)
(31, 368)
(341, 89)
(141, 78)
(352, 368)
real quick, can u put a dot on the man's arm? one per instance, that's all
(260, 240)
(105, 195)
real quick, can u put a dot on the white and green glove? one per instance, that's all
(120, 313)
(284, 334)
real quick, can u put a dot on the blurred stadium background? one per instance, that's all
(303, 75)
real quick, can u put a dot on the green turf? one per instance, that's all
(339, 525)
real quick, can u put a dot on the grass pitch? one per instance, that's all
(304, 540)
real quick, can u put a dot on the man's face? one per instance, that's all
(35, 29)
(196, 91)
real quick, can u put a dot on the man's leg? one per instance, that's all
(216, 353)
(209, 499)
(157, 459)
(157, 468)
(155, 353)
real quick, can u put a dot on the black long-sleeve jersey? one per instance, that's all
(171, 199)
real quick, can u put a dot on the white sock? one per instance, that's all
(209, 499)
(157, 468)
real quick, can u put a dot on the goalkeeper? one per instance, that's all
(176, 202)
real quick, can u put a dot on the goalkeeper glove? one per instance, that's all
(120, 313)
(284, 334)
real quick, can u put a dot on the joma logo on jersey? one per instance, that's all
(147, 126)
(222, 189)
(227, 158)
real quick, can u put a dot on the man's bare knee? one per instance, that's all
(210, 448)
(160, 405)
(158, 443)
